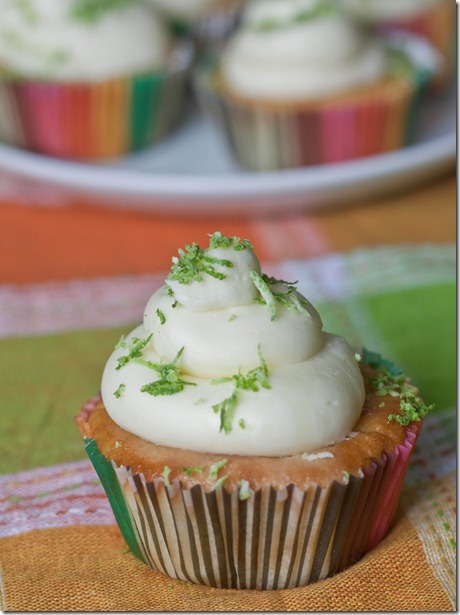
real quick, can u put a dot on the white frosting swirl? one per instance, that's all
(279, 54)
(57, 39)
(311, 394)
(387, 10)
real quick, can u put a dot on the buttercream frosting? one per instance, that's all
(244, 364)
(296, 49)
(71, 40)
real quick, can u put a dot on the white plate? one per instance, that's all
(193, 173)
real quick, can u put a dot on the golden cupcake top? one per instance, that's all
(229, 360)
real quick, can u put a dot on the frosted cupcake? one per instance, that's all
(434, 20)
(240, 445)
(285, 96)
(87, 79)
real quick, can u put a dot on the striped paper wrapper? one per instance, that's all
(91, 120)
(266, 137)
(274, 539)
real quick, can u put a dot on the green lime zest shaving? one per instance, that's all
(215, 467)
(193, 262)
(287, 298)
(169, 381)
(135, 350)
(217, 240)
(265, 292)
(219, 483)
(320, 9)
(412, 409)
(390, 380)
(119, 392)
(91, 11)
(165, 474)
(252, 381)
(226, 410)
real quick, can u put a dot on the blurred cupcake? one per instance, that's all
(87, 79)
(300, 84)
(207, 21)
(434, 20)
(239, 444)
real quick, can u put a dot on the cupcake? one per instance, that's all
(86, 79)
(239, 444)
(434, 20)
(207, 21)
(285, 96)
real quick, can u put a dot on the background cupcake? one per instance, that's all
(286, 96)
(434, 20)
(240, 445)
(87, 79)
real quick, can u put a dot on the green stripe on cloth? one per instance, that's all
(44, 382)
(415, 328)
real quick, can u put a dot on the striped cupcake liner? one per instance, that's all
(270, 137)
(275, 539)
(91, 120)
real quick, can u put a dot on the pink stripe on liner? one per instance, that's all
(43, 105)
(338, 134)
(390, 495)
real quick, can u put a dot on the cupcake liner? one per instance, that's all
(275, 539)
(93, 120)
(269, 136)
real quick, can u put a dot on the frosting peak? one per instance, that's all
(229, 360)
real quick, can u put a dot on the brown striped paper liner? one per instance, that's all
(275, 539)
(266, 136)
(93, 120)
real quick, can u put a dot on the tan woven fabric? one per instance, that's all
(90, 569)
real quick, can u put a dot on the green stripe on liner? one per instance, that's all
(146, 105)
(114, 493)
(374, 359)
(421, 79)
